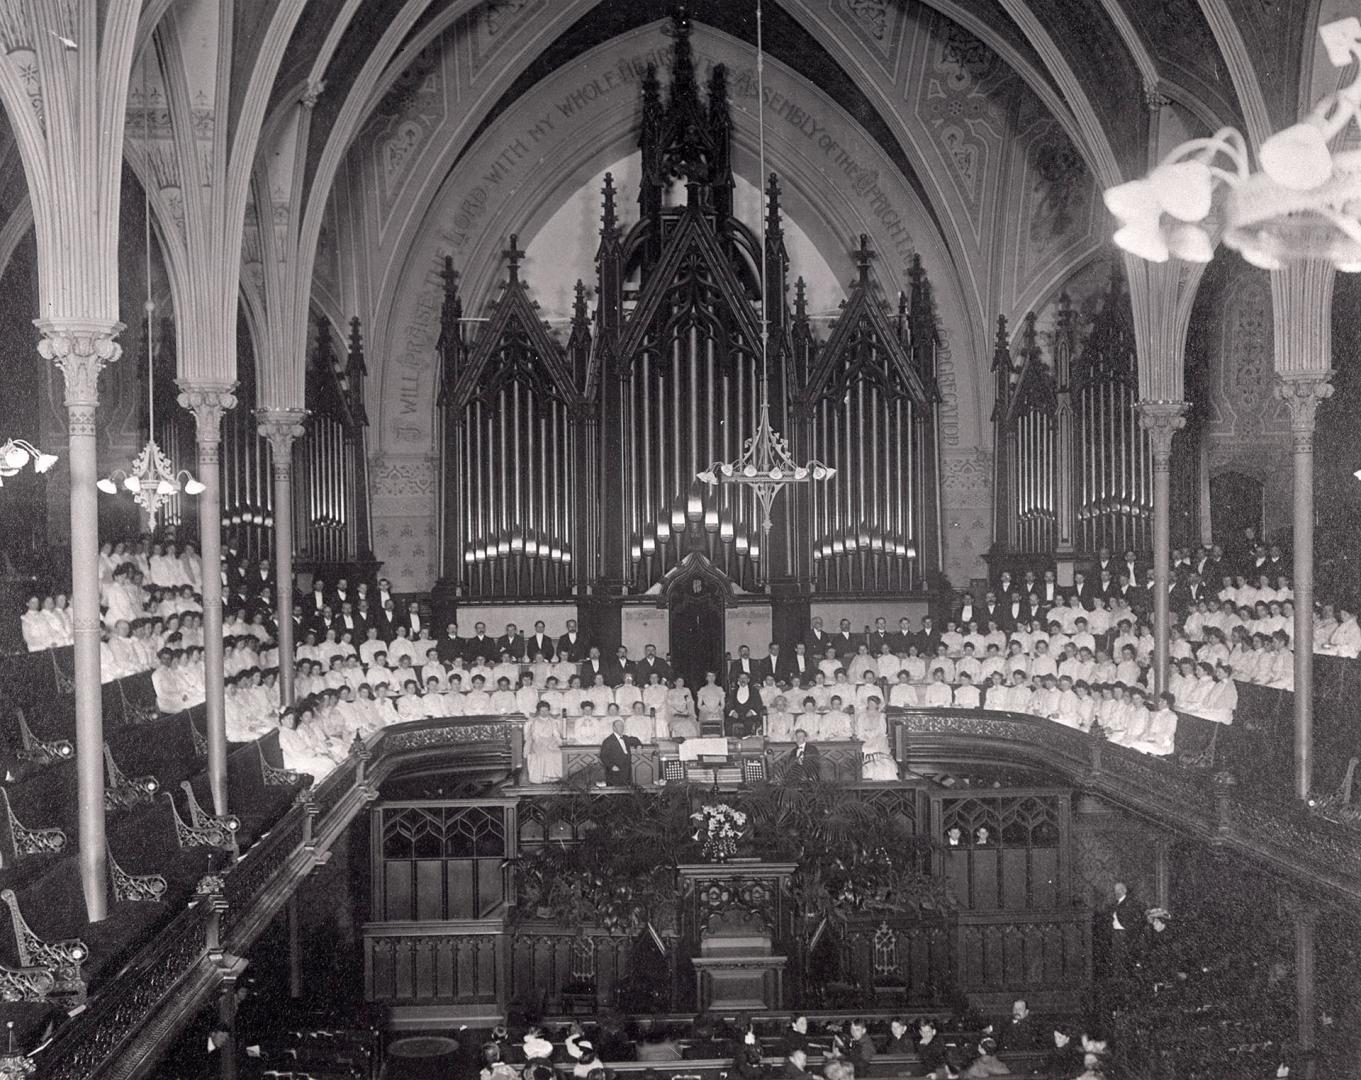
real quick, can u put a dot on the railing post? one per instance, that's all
(359, 750)
(209, 890)
(309, 819)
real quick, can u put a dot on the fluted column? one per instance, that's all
(1162, 420)
(1303, 392)
(81, 349)
(208, 401)
(281, 427)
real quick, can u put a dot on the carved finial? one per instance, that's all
(609, 222)
(773, 226)
(579, 309)
(326, 353)
(1001, 348)
(863, 257)
(514, 254)
(357, 348)
(800, 300)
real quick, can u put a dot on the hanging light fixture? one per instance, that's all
(152, 478)
(765, 464)
(1305, 203)
(15, 454)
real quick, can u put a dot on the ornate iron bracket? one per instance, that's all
(41, 751)
(122, 793)
(191, 836)
(63, 959)
(273, 775)
(201, 819)
(127, 886)
(30, 841)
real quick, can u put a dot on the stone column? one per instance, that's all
(81, 348)
(281, 427)
(1162, 420)
(1302, 393)
(208, 401)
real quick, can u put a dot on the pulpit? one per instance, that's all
(738, 920)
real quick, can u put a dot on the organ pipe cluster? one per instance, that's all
(1074, 467)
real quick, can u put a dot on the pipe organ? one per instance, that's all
(329, 463)
(1073, 465)
(571, 467)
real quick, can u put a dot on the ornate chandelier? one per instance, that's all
(1304, 204)
(153, 478)
(17, 453)
(765, 464)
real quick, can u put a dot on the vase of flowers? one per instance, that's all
(718, 829)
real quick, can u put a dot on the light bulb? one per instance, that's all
(16, 457)
(800, 473)
(1183, 189)
(1260, 257)
(776, 474)
(1144, 239)
(749, 470)
(707, 476)
(1190, 243)
(194, 487)
(106, 485)
(1298, 157)
(132, 484)
(165, 487)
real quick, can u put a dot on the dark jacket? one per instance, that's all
(616, 760)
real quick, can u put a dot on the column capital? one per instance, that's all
(1162, 420)
(1303, 393)
(207, 401)
(80, 348)
(281, 427)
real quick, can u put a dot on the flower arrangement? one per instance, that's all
(719, 827)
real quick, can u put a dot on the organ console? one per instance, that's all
(571, 467)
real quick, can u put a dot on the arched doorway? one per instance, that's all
(696, 593)
(1236, 502)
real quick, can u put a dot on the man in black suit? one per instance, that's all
(479, 646)
(572, 645)
(877, 638)
(903, 637)
(315, 602)
(1131, 569)
(1048, 590)
(804, 761)
(1020, 1033)
(967, 612)
(1120, 926)
(845, 641)
(928, 637)
(449, 647)
(387, 622)
(615, 757)
(595, 669)
(1015, 610)
(1106, 585)
(992, 610)
(772, 661)
(1104, 562)
(651, 664)
(744, 708)
(384, 594)
(817, 639)
(513, 642)
(341, 595)
(744, 665)
(796, 668)
(1006, 587)
(346, 622)
(540, 643)
(622, 666)
(1082, 589)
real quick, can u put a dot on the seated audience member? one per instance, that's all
(938, 694)
(1020, 1032)
(1345, 639)
(966, 693)
(986, 1063)
(932, 1051)
(682, 720)
(795, 1065)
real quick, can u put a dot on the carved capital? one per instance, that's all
(1162, 420)
(309, 97)
(280, 427)
(81, 348)
(207, 401)
(1303, 394)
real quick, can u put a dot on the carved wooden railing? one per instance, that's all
(1318, 854)
(131, 1018)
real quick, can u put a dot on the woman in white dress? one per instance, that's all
(36, 629)
(656, 700)
(543, 746)
(871, 728)
(711, 700)
(680, 709)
